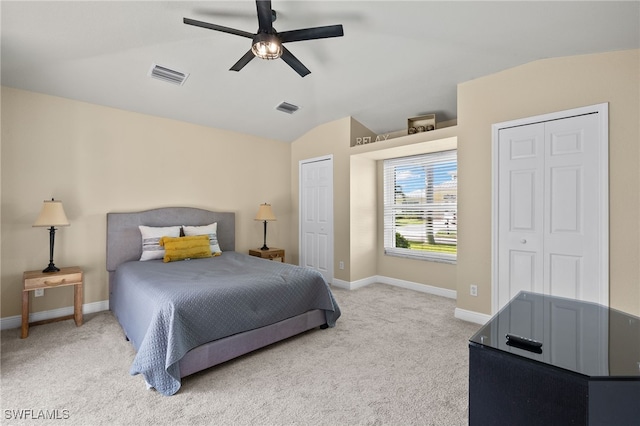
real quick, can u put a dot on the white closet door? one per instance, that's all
(316, 215)
(521, 194)
(571, 238)
(551, 189)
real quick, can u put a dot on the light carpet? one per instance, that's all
(395, 357)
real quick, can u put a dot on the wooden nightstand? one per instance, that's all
(34, 280)
(271, 254)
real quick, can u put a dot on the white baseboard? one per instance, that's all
(463, 314)
(340, 283)
(472, 316)
(352, 285)
(423, 288)
(87, 308)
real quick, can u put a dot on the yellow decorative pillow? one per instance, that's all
(182, 248)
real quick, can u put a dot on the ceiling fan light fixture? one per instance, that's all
(266, 43)
(266, 46)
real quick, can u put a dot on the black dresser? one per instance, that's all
(566, 362)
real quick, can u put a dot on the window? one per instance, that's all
(420, 206)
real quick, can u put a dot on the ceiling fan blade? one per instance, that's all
(294, 63)
(265, 21)
(243, 61)
(311, 33)
(217, 28)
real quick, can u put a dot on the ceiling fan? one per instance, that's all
(267, 42)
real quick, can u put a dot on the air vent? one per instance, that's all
(167, 74)
(287, 107)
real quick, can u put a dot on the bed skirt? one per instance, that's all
(222, 350)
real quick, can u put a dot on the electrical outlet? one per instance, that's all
(341, 265)
(38, 292)
(473, 290)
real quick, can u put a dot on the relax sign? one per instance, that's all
(368, 139)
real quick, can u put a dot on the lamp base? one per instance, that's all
(264, 246)
(51, 268)
(52, 238)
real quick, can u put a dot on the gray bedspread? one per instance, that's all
(167, 309)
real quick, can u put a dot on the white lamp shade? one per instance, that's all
(52, 214)
(265, 213)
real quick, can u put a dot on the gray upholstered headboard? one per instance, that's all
(124, 242)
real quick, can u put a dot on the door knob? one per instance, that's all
(523, 241)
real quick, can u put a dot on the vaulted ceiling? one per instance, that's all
(396, 60)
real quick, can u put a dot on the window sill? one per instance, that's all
(452, 260)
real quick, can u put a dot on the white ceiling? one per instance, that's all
(396, 60)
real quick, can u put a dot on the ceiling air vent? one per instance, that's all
(167, 74)
(287, 107)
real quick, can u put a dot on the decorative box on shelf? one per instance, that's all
(423, 123)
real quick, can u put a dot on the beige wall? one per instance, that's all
(538, 88)
(363, 176)
(357, 200)
(97, 159)
(435, 274)
(327, 139)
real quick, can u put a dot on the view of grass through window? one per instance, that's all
(441, 241)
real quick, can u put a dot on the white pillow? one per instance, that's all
(151, 235)
(210, 230)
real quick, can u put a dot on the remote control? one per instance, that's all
(514, 340)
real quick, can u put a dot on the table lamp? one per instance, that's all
(52, 215)
(265, 214)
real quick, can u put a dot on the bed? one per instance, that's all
(186, 316)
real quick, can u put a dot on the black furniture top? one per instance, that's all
(576, 336)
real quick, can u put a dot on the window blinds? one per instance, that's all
(420, 206)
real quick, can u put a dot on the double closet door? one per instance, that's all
(551, 206)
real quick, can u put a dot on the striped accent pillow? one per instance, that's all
(210, 230)
(151, 235)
